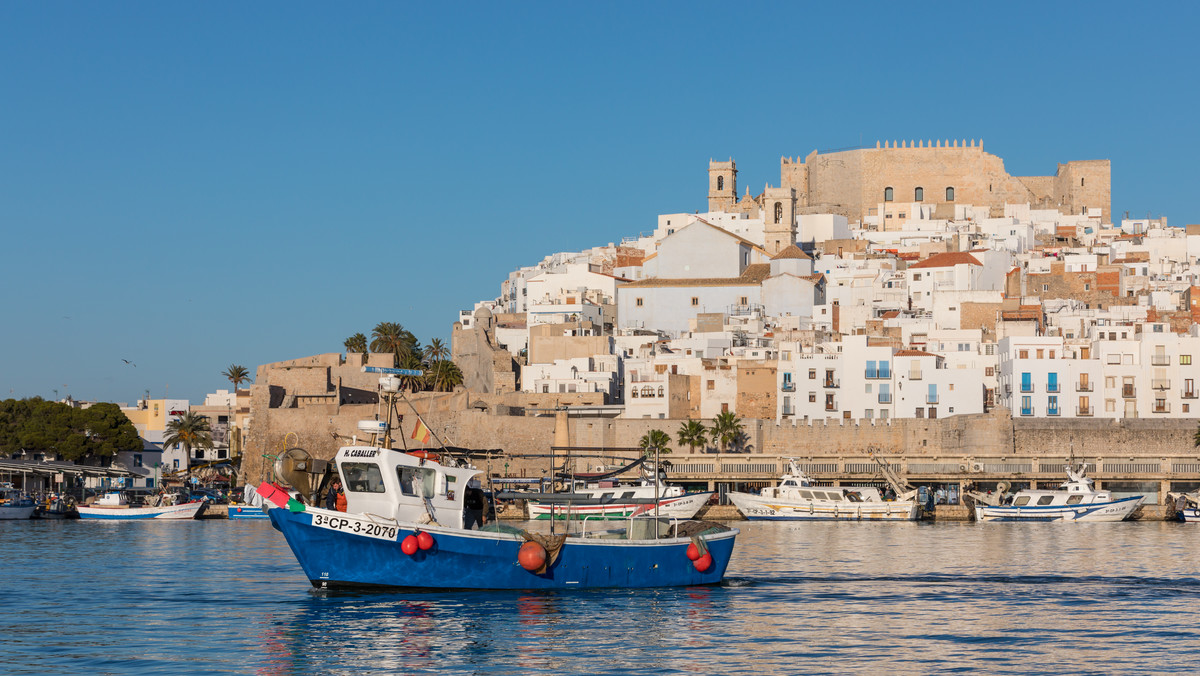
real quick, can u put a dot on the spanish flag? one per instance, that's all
(421, 432)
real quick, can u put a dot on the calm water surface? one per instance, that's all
(228, 597)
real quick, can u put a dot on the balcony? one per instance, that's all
(1052, 411)
(789, 411)
(1053, 388)
(1027, 411)
(885, 398)
(832, 383)
(1026, 388)
(788, 387)
(1157, 384)
(1161, 407)
(829, 406)
(931, 399)
(1128, 392)
(1083, 411)
(1160, 360)
(1083, 387)
(1189, 394)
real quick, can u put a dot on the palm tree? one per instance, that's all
(692, 434)
(394, 338)
(356, 343)
(436, 350)
(236, 375)
(412, 383)
(726, 429)
(655, 441)
(445, 375)
(189, 431)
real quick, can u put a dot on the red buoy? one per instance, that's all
(424, 540)
(532, 556)
(693, 552)
(703, 563)
(409, 545)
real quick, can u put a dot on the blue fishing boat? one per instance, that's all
(405, 527)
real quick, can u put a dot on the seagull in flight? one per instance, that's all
(130, 363)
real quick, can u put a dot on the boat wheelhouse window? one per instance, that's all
(627, 494)
(1045, 499)
(606, 496)
(829, 496)
(418, 481)
(1021, 501)
(362, 477)
(806, 495)
(1074, 499)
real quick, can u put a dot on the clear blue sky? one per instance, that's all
(191, 185)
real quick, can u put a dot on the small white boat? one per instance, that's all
(1074, 500)
(115, 506)
(1184, 507)
(797, 499)
(15, 506)
(597, 501)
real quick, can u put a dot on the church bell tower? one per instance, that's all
(722, 185)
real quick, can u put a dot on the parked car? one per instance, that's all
(208, 494)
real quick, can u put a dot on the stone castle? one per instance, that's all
(857, 183)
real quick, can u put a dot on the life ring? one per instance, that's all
(427, 455)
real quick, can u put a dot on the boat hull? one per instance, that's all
(1113, 510)
(333, 555)
(683, 507)
(247, 513)
(188, 510)
(758, 508)
(1191, 515)
(10, 513)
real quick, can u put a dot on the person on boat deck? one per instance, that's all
(336, 497)
(474, 504)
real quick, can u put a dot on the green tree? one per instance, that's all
(655, 441)
(189, 431)
(444, 375)
(237, 375)
(394, 338)
(726, 429)
(692, 434)
(436, 350)
(356, 343)
(74, 433)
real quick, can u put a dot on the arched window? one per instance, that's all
(887, 194)
(720, 183)
(919, 195)
(633, 392)
(661, 392)
(949, 194)
(647, 391)
(779, 212)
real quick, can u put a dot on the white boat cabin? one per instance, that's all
(796, 485)
(407, 487)
(1077, 490)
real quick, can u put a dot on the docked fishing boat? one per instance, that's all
(1184, 507)
(16, 506)
(251, 507)
(796, 498)
(595, 499)
(56, 507)
(1074, 500)
(406, 526)
(115, 506)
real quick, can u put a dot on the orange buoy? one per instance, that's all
(703, 563)
(423, 454)
(693, 552)
(409, 545)
(532, 556)
(424, 540)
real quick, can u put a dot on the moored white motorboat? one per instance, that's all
(115, 507)
(14, 506)
(1074, 500)
(1184, 507)
(797, 499)
(596, 501)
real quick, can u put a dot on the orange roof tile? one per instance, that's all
(947, 260)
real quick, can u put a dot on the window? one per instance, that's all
(872, 371)
(1023, 354)
(711, 385)
(1185, 359)
(695, 301)
(920, 413)
(779, 212)
(1026, 382)
(887, 194)
(1021, 501)
(362, 477)
(638, 302)
(1045, 500)
(417, 481)
(1052, 405)
(885, 393)
(885, 369)
(744, 300)
(812, 397)
(919, 195)
(812, 374)
(1026, 405)
(720, 183)
(949, 194)
(989, 371)
(933, 395)
(137, 459)
(1074, 499)
(829, 406)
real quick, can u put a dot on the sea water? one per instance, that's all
(210, 597)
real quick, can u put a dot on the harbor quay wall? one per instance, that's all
(1148, 455)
